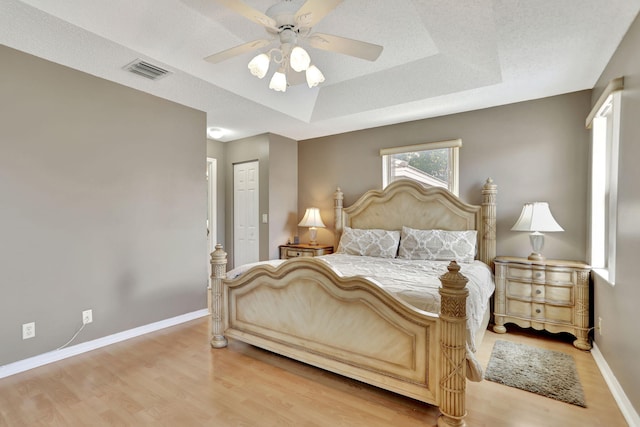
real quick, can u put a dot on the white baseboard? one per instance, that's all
(54, 356)
(628, 411)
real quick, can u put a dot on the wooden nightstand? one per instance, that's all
(551, 295)
(302, 250)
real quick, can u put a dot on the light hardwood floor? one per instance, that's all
(173, 378)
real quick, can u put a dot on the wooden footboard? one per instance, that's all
(349, 326)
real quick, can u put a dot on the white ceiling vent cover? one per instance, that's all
(145, 69)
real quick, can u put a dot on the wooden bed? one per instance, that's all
(349, 325)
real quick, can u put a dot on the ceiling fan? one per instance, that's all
(289, 22)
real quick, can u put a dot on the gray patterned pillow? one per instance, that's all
(373, 242)
(438, 245)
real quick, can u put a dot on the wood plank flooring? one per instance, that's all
(174, 378)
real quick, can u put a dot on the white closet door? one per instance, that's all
(245, 213)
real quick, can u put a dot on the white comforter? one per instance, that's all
(417, 282)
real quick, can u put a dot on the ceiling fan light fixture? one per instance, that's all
(278, 82)
(259, 65)
(299, 59)
(215, 133)
(314, 76)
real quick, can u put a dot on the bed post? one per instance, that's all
(488, 241)
(218, 273)
(453, 318)
(338, 198)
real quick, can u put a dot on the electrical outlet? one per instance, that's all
(600, 325)
(87, 316)
(28, 330)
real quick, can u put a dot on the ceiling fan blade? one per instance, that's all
(359, 49)
(250, 13)
(312, 11)
(235, 51)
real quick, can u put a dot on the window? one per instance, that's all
(605, 123)
(434, 163)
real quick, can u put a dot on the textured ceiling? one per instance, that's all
(440, 57)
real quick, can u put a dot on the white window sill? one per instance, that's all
(603, 274)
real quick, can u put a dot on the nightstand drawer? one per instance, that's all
(518, 273)
(526, 310)
(295, 253)
(539, 276)
(539, 311)
(518, 290)
(538, 292)
(519, 308)
(560, 277)
(559, 294)
(557, 314)
(304, 251)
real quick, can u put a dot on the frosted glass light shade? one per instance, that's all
(278, 82)
(259, 65)
(314, 76)
(299, 59)
(215, 133)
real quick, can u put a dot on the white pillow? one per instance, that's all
(438, 245)
(372, 242)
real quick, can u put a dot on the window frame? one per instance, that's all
(604, 122)
(454, 158)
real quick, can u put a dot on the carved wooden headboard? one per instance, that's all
(409, 203)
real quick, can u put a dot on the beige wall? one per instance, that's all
(103, 206)
(534, 151)
(617, 305)
(283, 191)
(277, 157)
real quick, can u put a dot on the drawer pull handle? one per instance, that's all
(538, 292)
(538, 310)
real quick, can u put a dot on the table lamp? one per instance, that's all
(312, 220)
(537, 219)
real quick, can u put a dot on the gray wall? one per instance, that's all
(534, 151)
(103, 206)
(618, 305)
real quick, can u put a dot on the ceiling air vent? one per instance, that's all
(145, 69)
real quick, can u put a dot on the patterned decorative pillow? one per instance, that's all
(373, 242)
(438, 245)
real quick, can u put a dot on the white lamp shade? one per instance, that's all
(314, 76)
(299, 59)
(278, 82)
(259, 65)
(536, 216)
(312, 218)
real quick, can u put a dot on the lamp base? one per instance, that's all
(536, 257)
(313, 232)
(537, 243)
